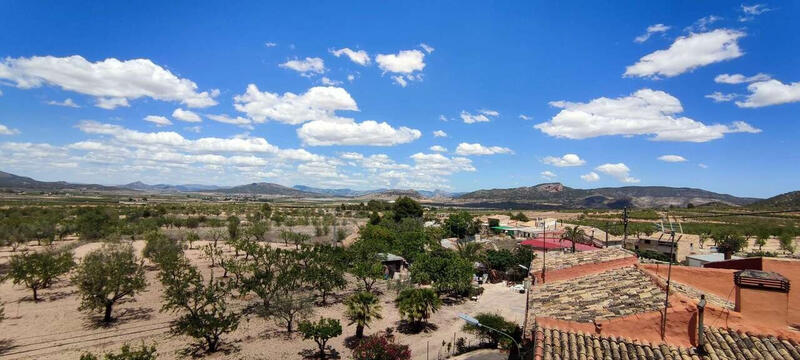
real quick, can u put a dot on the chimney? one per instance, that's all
(762, 295)
(701, 307)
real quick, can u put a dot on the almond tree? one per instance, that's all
(38, 270)
(106, 276)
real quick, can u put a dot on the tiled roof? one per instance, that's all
(557, 261)
(721, 344)
(610, 294)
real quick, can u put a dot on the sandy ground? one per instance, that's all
(55, 329)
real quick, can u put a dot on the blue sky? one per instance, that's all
(588, 94)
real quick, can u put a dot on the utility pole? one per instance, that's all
(669, 278)
(544, 250)
(606, 233)
(625, 225)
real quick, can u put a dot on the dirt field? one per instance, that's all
(54, 328)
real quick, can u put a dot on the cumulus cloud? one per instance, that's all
(442, 118)
(590, 177)
(306, 67)
(645, 112)
(739, 78)
(66, 103)
(564, 161)
(112, 82)
(672, 158)
(349, 132)
(158, 120)
(5, 130)
(525, 117)
(547, 174)
(652, 29)
(399, 80)
(225, 119)
(438, 148)
(186, 115)
(359, 57)
(770, 92)
(720, 97)
(428, 49)
(688, 53)
(478, 149)
(439, 133)
(318, 103)
(404, 62)
(618, 171)
(481, 116)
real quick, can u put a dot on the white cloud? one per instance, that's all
(590, 177)
(439, 133)
(349, 132)
(438, 148)
(750, 12)
(326, 81)
(618, 171)
(672, 158)
(270, 44)
(687, 53)
(739, 78)
(442, 118)
(318, 103)
(359, 57)
(225, 119)
(158, 120)
(5, 130)
(525, 117)
(111, 103)
(404, 62)
(720, 97)
(194, 129)
(351, 156)
(66, 103)
(770, 92)
(564, 161)
(644, 112)
(428, 49)
(652, 29)
(111, 81)
(482, 116)
(702, 24)
(306, 67)
(702, 166)
(478, 149)
(547, 174)
(351, 77)
(186, 115)
(399, 80)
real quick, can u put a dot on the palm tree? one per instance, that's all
(471, 251)
(418, 304)
(573, 234)
(362, 308)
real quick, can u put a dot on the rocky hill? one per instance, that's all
(138, 185)
(790, 200)
(263, 188)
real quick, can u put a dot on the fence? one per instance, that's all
(452, 346)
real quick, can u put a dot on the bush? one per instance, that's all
(160, 249)
(39, 270)
(321, 331)
(143, 353)
(493, 321)
(381, 347)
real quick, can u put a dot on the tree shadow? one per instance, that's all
(311, 354)
(58, 295)
(198, 350)
(95, 321)
(6, 345)
(414, 327)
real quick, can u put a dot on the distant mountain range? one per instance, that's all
(549, 195)
(558, 195)
(15, 182)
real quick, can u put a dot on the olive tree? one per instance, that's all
(107, 275)
(38, 270)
